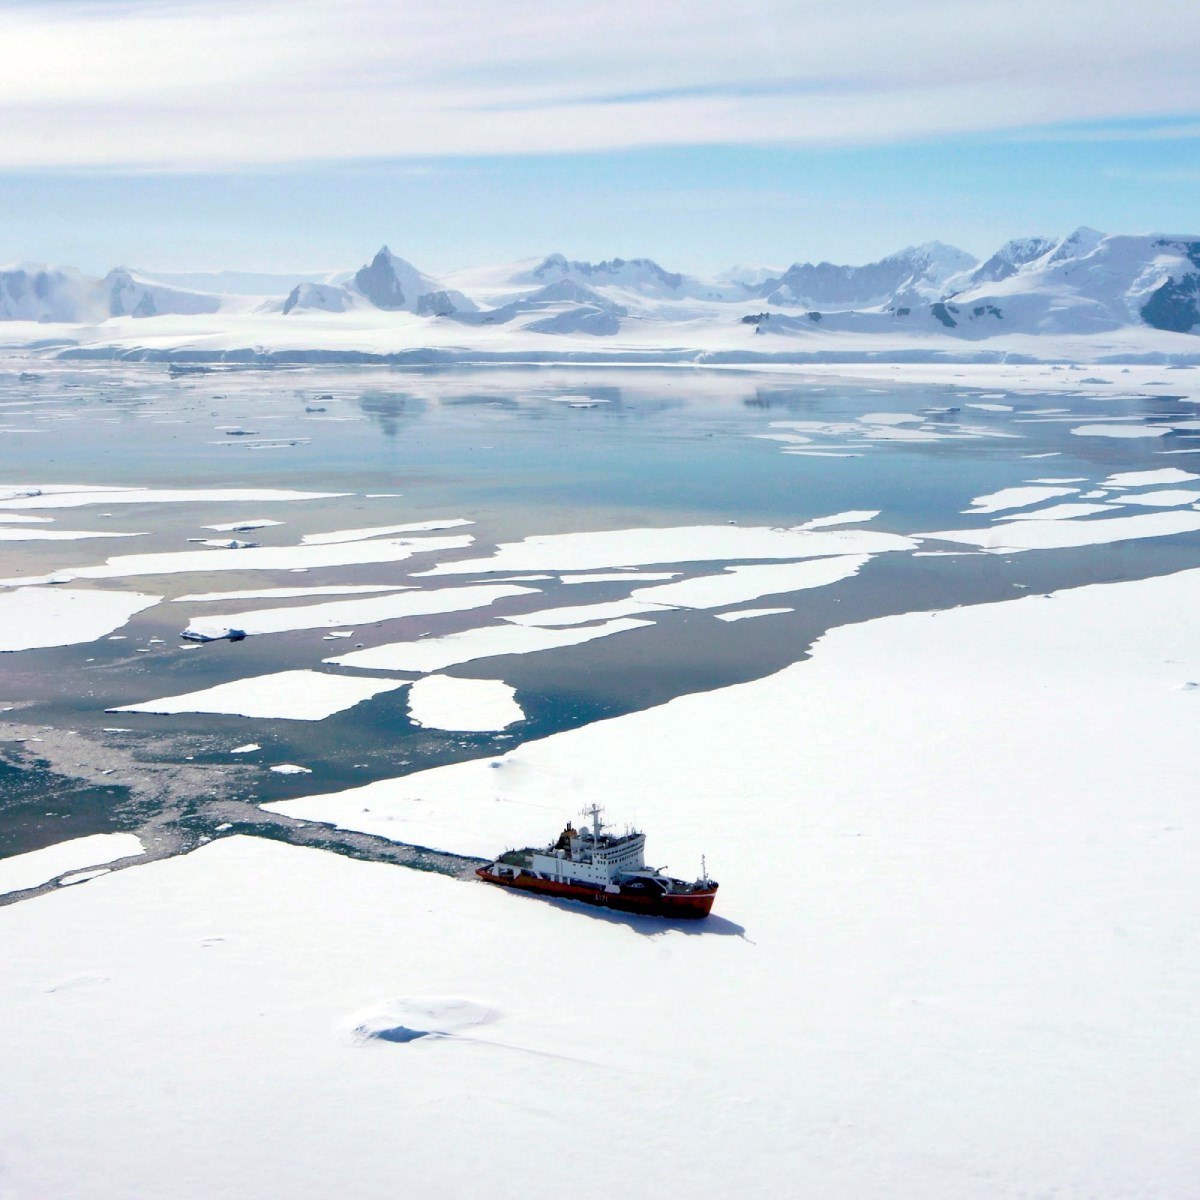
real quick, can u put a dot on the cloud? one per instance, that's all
(224, 83)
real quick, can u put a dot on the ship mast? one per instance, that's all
(594, 812)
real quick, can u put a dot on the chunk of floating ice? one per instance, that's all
(1167, 498)
(291, 769)
(746, 614)
(1013, 536)
(463, 705)
(490, 641)
(854, 517)
(990, 407)
(22, 519)
(248, 748)
(1128, 479)
(289, 593)
(359, 535)
(36, 867)
(284, 696)
(1121, 431)
(1058, 512)
(243, 526)
(229, 544)
(1016, 497)
(356, 612)
(609, 577)
(261, 558)
(34, 617)
(334, 634)
(689, 543)
(578, 614)
(741, 583)
(65, 496)
(38, 534)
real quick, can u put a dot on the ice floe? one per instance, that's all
(1059, 512)
(1059, 535)
(689, 543)
(243, 526)
(609, 577)
(746, 614)
(1167, 498)
(263, 558)
(1016, 497)
(291, 769)
(283, 695)
(64, 496)
(463, 705)
(36, 533)
(38, 617)
(290, 593)
(579, 614)
(36, 867)
(1122, 431)
(1128, 479)
(741, 583)
(408, 603)
(853, 517)
(358, 535)
(486, 641)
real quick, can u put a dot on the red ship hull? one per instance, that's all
(688, 906)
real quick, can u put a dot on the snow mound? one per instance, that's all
(409, 1018)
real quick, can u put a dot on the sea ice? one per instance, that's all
(745, 614)
(262, 558)
(741, 583)
(358, 535)
(692, 543)
(36, 617)
(289, 593)
(36, 867)
(1057, 535)
(487, 641)
(1016, 497)
(284, 696)
(392, 606)
(466, 705)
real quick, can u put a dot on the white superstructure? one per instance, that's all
(591, 855)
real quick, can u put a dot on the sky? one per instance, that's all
(301, 135)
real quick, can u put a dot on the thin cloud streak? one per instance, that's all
(222, 84)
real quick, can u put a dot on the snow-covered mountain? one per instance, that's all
(1087, 283)
(132, 295)
(39, 292)
(911, 276)
(387, 282)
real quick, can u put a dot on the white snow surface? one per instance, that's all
(1122, 431)
(38, 534)
(1128, 479)
(738, 584)
(408, 603)
(689, 543)
(1167, 498)
(578, 614)
(746, 614)
(961, 961)
(36, 617)
(238, 526)
(36, 867)
(466, 705)
(283, 695)
(261, 558)
(1016, 497)
(486, 641)
(358, 535)
(349, 589)
(1058, 535)
(64, 496)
